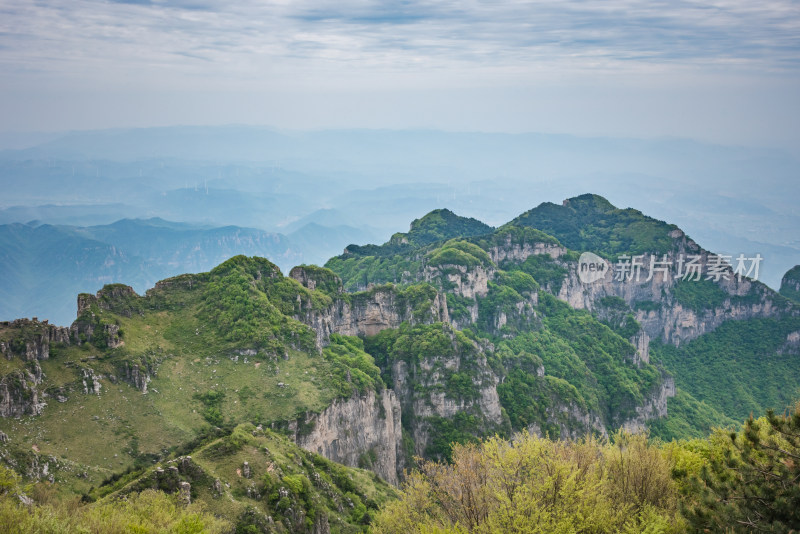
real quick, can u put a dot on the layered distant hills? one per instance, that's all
(43, 266)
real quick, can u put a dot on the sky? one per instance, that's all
(726, 71)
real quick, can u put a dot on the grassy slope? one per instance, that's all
(173, 332)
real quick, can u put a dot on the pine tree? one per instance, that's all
(753, 482)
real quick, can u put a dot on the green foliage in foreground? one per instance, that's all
(729, 482)
(750, 480)
(288, 489)
(149, 512)
(535, 485)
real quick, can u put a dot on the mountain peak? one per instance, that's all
(790, 284)
(589, 202)
(590, 222)
(441, 224)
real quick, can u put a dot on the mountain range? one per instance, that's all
(248, 384)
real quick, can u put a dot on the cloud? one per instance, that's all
(574, 49)
(412, 34)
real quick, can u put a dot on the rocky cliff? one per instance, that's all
(363, 431)
(674, 306)
(653, 407)
(19, 392)
(30, 339)
(368, 312)
(438, 385)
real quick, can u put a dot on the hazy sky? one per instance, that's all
(724, 71)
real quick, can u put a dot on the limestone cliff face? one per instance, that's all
(139, 373)
(363, 431)
(652, 295)
(653, 407)
(34, 341)
(369, 312)
(573, 421)
(642, 343)
(90, 381)
(119, 298)
(467, 282)
(426, 392)
(519, 252)
(19, 394)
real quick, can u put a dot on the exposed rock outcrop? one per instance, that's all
(91, 382)
(467, 282)
(19, 394)
(427, 390)
(519, 252)
(369, 312)
(118, 298)
(653, 407)
(572, 421)
(30, 339)
(137, 375)
(353, 430)
(642, 343)
(652, 297)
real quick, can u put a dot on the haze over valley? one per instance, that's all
(301, 197)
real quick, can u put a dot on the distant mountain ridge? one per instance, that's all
(43, 266)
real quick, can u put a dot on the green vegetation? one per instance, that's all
(749, 480)
(358, 271)
(439, 360)
(537, 485)
(699, 295)
(500, 300)
(688, 417)
(150, 512)
(203, 363)
(287, 490)
(212, 350)
(592, 223)
(543, 268)
(399, 260)
(730, 482)
(353, 370)
(325, 280)
(440, 225)
(590, 356)
(249, 301)
(532, 400)
(790, 284)
(615, 314)
(760, 373)
(514, 235)
(457, 252)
